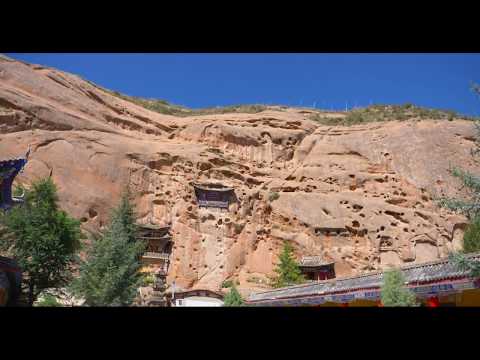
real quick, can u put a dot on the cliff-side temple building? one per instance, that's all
(9, 169)
(158, 245)
(435, 283)
(214, 195)
(156, 258)
(316, 268)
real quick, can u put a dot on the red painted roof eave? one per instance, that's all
(416, 283)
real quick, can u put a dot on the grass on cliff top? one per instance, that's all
(376, 113)
(368, 114)
(164, 107)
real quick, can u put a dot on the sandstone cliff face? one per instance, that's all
(361, 196)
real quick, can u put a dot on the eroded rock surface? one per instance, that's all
(362, 196)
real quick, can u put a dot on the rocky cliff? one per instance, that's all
(361, 196)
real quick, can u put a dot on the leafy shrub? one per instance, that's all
(227, 284)
(471, 238)
(49, 300)
(18, 190)
(273, 196)
(149, 280)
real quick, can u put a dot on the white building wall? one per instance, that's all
(202, 301)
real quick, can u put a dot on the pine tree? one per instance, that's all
(125, 216)
(287, 270)
(394, 292)
(233, 298)
(42, 238)
(111, 275)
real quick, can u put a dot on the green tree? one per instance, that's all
(42, 238)
(111, 276)
(287, 270)
(394, 292)
(233, 298)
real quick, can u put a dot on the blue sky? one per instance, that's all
(328, 81)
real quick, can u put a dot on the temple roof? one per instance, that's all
(18, 164)
(314, 261)
(10, 166)
(6, 159)
(153, 226)
(437, 270)
(212, 186)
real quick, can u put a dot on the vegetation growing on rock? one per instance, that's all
(376, 113)
(164, 107)
(273, 196)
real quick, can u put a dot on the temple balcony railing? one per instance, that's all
(211, 203)
(147, 238)
(156, 255)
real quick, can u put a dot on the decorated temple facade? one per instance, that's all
(9, 169)
(156, 259)
(436, 283)
(214, 195)
(158, 246)
(316, 268)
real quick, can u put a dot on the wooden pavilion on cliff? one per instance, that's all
(9, 169)
(158, 245)
(214, 195)
(315, 268)
(156, 258)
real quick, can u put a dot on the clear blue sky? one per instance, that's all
(329, 80)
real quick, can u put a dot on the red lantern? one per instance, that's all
(433, 302)
(344, 305)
